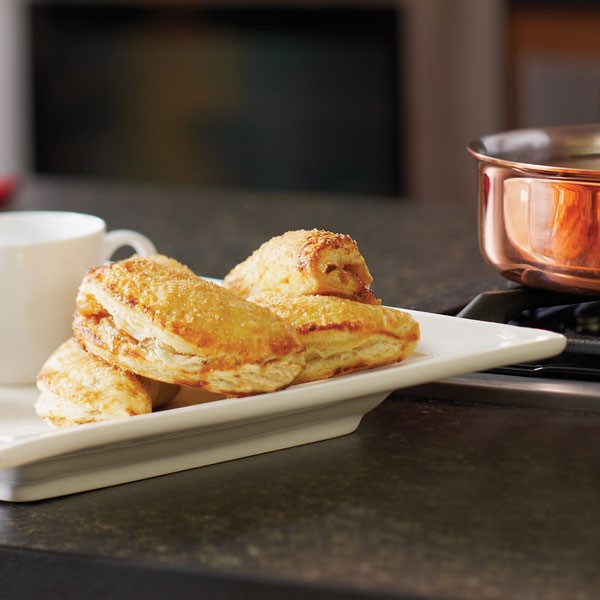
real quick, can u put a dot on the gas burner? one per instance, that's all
(581, 319)
(569, 381)
(577, 317)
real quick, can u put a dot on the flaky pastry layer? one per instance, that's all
(77, 387)
(342, 336)
(156, 318)
(304, 263)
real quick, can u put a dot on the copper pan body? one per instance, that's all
(539, 206)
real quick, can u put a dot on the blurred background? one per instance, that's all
(341, 97)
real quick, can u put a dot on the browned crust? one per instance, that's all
(305, 262)
(234, 340)
(91, 390)
(343, 336)
(200, 313)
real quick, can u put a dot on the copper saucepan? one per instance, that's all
(539, 206)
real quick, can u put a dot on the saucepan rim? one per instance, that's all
(532, 149)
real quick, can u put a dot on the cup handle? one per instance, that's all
(119, 238)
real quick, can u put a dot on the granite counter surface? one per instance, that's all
(427, 499)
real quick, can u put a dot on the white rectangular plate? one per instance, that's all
(37, 462)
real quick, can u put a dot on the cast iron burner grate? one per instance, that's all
(575, 316)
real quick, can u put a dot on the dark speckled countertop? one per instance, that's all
(427, 499)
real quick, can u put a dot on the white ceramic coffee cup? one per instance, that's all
(43, 257)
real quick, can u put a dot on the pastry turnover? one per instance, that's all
(154, 317)
(342, 336)
(304, 263)
(77, 387)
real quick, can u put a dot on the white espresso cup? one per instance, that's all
(43, 257)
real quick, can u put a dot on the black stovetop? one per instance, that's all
(576, 317)
(570, 380)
